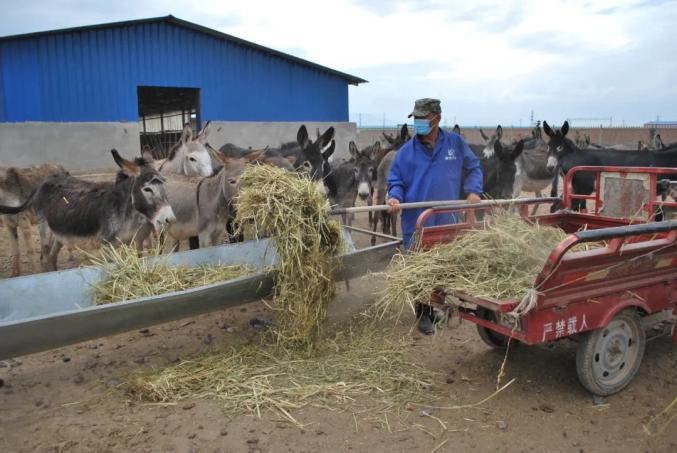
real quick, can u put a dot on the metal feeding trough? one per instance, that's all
(54, 309)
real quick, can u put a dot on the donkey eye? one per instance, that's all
(356, 171)
(307, 165)
(148, 189)
(192, 159)
(232, 182)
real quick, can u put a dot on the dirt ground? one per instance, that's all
(66, 399)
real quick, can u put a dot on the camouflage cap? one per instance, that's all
(425, 106)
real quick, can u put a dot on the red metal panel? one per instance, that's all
(583, 290)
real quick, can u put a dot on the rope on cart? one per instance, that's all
(527, 303)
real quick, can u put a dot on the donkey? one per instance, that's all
(499, 165)
(204, 206)
(499, 169)
(383, 162)
(489, 142)
(533, 174)
(311, 157)
(350, 179)
(270, 156)
(563, 155)
(79, 211)
(188, 156)
(16, 185)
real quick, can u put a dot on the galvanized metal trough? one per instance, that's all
(54, 309)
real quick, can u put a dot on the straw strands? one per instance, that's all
(130, 276)
(498, 262)
(287, 207)
(364, 369)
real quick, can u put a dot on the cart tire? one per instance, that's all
(608, 358)
(493, 339)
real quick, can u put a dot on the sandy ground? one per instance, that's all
(66, 399)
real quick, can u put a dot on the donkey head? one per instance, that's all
(190, 156)
(502, 178)
(490, 141)
(148, 194)
(559, 145)
(365, 169)
(314, 154)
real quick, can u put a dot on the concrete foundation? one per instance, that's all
(86, 146)
(74, 145)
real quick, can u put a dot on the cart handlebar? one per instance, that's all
(624, 231)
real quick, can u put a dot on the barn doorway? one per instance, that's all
(163, 111)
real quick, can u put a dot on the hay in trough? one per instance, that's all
(287, 207)
(130, 276)
(498, 262)
(364, 368)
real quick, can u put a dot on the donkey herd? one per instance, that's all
(191, 193)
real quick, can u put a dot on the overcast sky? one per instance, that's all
(488, 61)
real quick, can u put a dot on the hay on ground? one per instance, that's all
(130, 276)
(287, 207)
(498, 262)
(364, 368)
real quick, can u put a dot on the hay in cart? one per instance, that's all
(498, 262)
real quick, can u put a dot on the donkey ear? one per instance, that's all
(255, 156)
(499, 132)
(126, 166)
(498, 149)
(388, 138)
(302, 137)
(484, 136)
(546, 128)
(517, 150)
(202, 136)
(352, 148)
(187, 134)
(404, 132)
(375, 149)
(225, 160)
(326, 154)
(327, 137)
(147, 156)
(457, 129)
(565, 128)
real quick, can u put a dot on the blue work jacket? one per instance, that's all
(451, 171)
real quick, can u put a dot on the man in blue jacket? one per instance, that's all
(433, 165)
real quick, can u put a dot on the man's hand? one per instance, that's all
(473, 198)
(394, 204)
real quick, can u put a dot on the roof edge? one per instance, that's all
(352, 80)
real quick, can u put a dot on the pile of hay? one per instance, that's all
(365, 369)
(287, 207)
(499, 262)
(130, 276)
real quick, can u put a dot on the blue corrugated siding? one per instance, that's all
(93, 76)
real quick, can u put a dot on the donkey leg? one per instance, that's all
(374, 227)
(27, 235)
(53, 254)
(393, 223)
(14, 256)
(535, 208)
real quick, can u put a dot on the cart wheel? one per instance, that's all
(608, 358)
(493, 339)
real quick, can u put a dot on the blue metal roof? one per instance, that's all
(92, 73)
